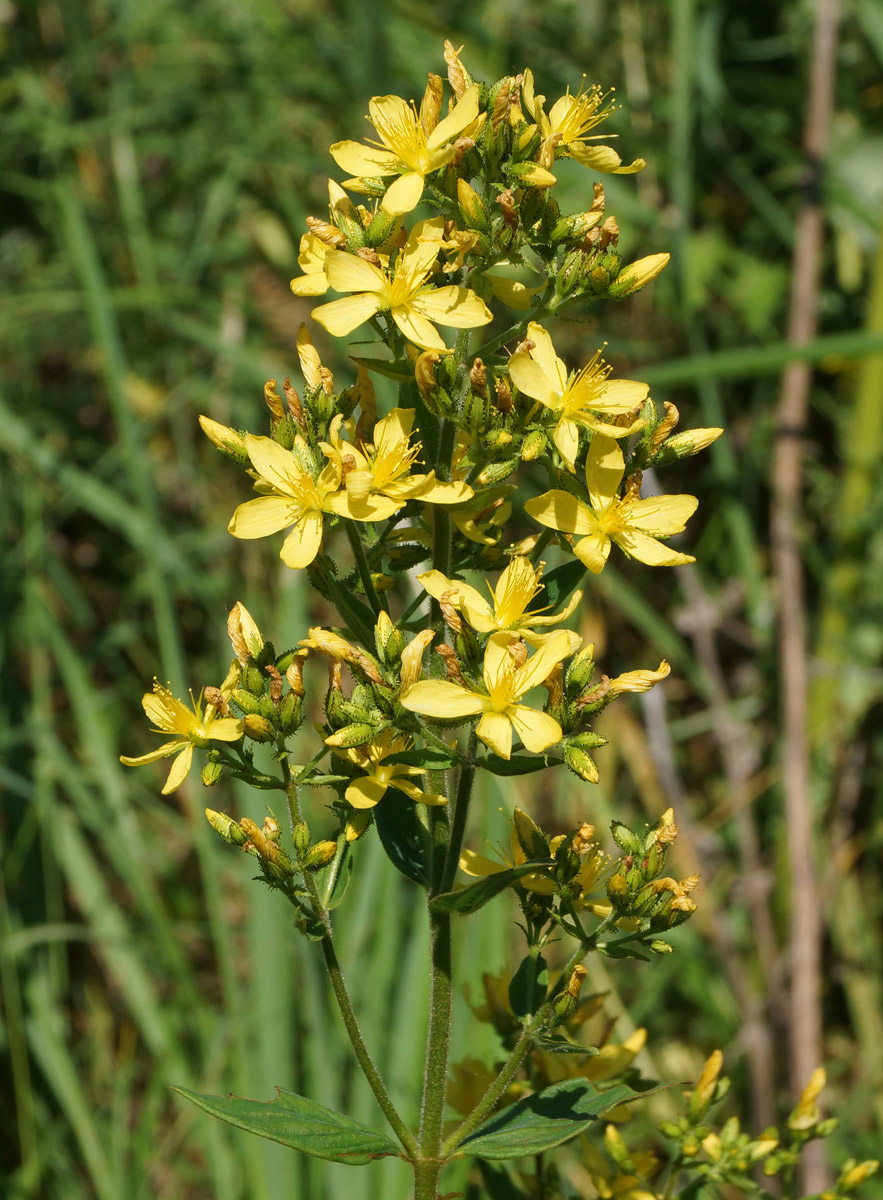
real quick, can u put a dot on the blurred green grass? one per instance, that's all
(158, 162)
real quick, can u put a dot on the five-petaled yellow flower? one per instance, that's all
(381, 468)
(500, 708)
(406, 148)
(404, 292)
(508, 609)
(293, 497)
(565, 129)
(370, 788)
(632, 523)
(191, 726)
(576, 397)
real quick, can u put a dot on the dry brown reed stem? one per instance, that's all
(805, 1041)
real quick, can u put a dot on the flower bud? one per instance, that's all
(231, 831)
(259, 729)
(661, 948)
(290, 713)
(531, 174)
(703, 1093)
(682, 445)
(381, 228)
(228, 441)
(580, 763)
(575, 227)
(472, 208)
(497, 472)
(856, 1175)
(637, 275)
(245, 700)
(357, 823)
(569, 276)
(300, 837)
(627, 841)
(352, 735)
(211, 773)
(530, 837)
(533, 445)
(245, 637)
(319, 855)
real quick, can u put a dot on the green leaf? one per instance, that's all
(468, 899)
(402, 835)
(358, 616)
(528, 986)
(432, 760)
(553, 1043)
(620, 950)
(538, 1123)
(558, 584)
(300, 1124)
(400, 369)
(515, 766)
(498, 1184)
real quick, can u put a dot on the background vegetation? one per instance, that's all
(158, 162)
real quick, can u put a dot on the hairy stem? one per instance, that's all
(377, 602)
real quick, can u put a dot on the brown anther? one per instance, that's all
(327, 380)
(503, 102)
(347, 464)
(431, 104)
(294, 676)
(458, 76)
(452, 618)
(274, 402)
(506, 201)
(370, 255)
(215, 697)
(594, 695)
(518, 652)
(665, 426)
(478, 377)
(503, 394)
(452, 664)
(632, 489)
(329, 234)
(462, 146)
(689, 884)
(609, 233)
(576, 980)
(600, 200)
(292, 399)
(275, 683)
(524, 347)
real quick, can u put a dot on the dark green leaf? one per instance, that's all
(324, 780)
(528, 986)
(498, 1184)
(558, 584)
(400, 369)
(555, 1044)
(357, 614)
(334, 890)
(431, 759)
(617, 950)
(515, 766)
(537, 1123)
(300, 1124)
(405, 840)
(468, 899)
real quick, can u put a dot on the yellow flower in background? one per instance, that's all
(293, 497)
(407, 148)
(191, 727)
(633, 524)
(381, 468)
(370, 788)
(508, 607)
(403, 292)
(577, 397)
(565, 130)
(500, 709)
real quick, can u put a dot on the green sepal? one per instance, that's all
(542, 1121)
(476, 895)
(300, 1124)
(520, 765)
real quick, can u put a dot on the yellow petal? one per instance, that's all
(180, 768)
(341, 317)
(463, 114)
(304, 542)
(365, 792)
(369, 508)
(539, 666)
(440, 698)
(543, 353)
(367, 161)
(537, 730)
(566, 439)
(530, 378)
(603, 158)
(224, 729)
(314, 284)
(477, 865)
(395, 121)
(560, 510)
(604, 470)
(161, 752)
(276, 464)
(495, 730)
(418, 330)
(639, 681)
(647, 550)
(413, 792)
(349, 273)
(454, 306)
(513, 292)
(403, 194)
(593, 552)
(662, 515)
(261, 517)
(421, 249)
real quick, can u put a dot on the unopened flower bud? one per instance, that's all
(575, 227)
(661, 948)
(497, 472)
(855, 1176)
(357, 823)
(319, 855)
(581, 763)
(211, 773)
(627, 841)
(472, 208)
(228, 441)
(703, 1093)
(245, 700)
(637, 275)
(530, 837)
(533, 445)
(682, 445)
(258, 728)
(231, 831)
(352, 735)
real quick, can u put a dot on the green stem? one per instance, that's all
(461, 811)
(341, 995)
(377, 604)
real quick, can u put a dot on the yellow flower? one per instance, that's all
(192, 727)
(370, 788)
(311, 260)
(381, 467)
(633, 524)
(594, 864)
(293, 497)
(515, 589)
(500, 708)
(574, 398)
(406, 148)
(402, 292)
(565, 130)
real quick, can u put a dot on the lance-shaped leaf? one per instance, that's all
(426, 756)
(517, 765)
(468, 899)
(557, 585)
(403, 836)
(300, 1124)
(540, 1122)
